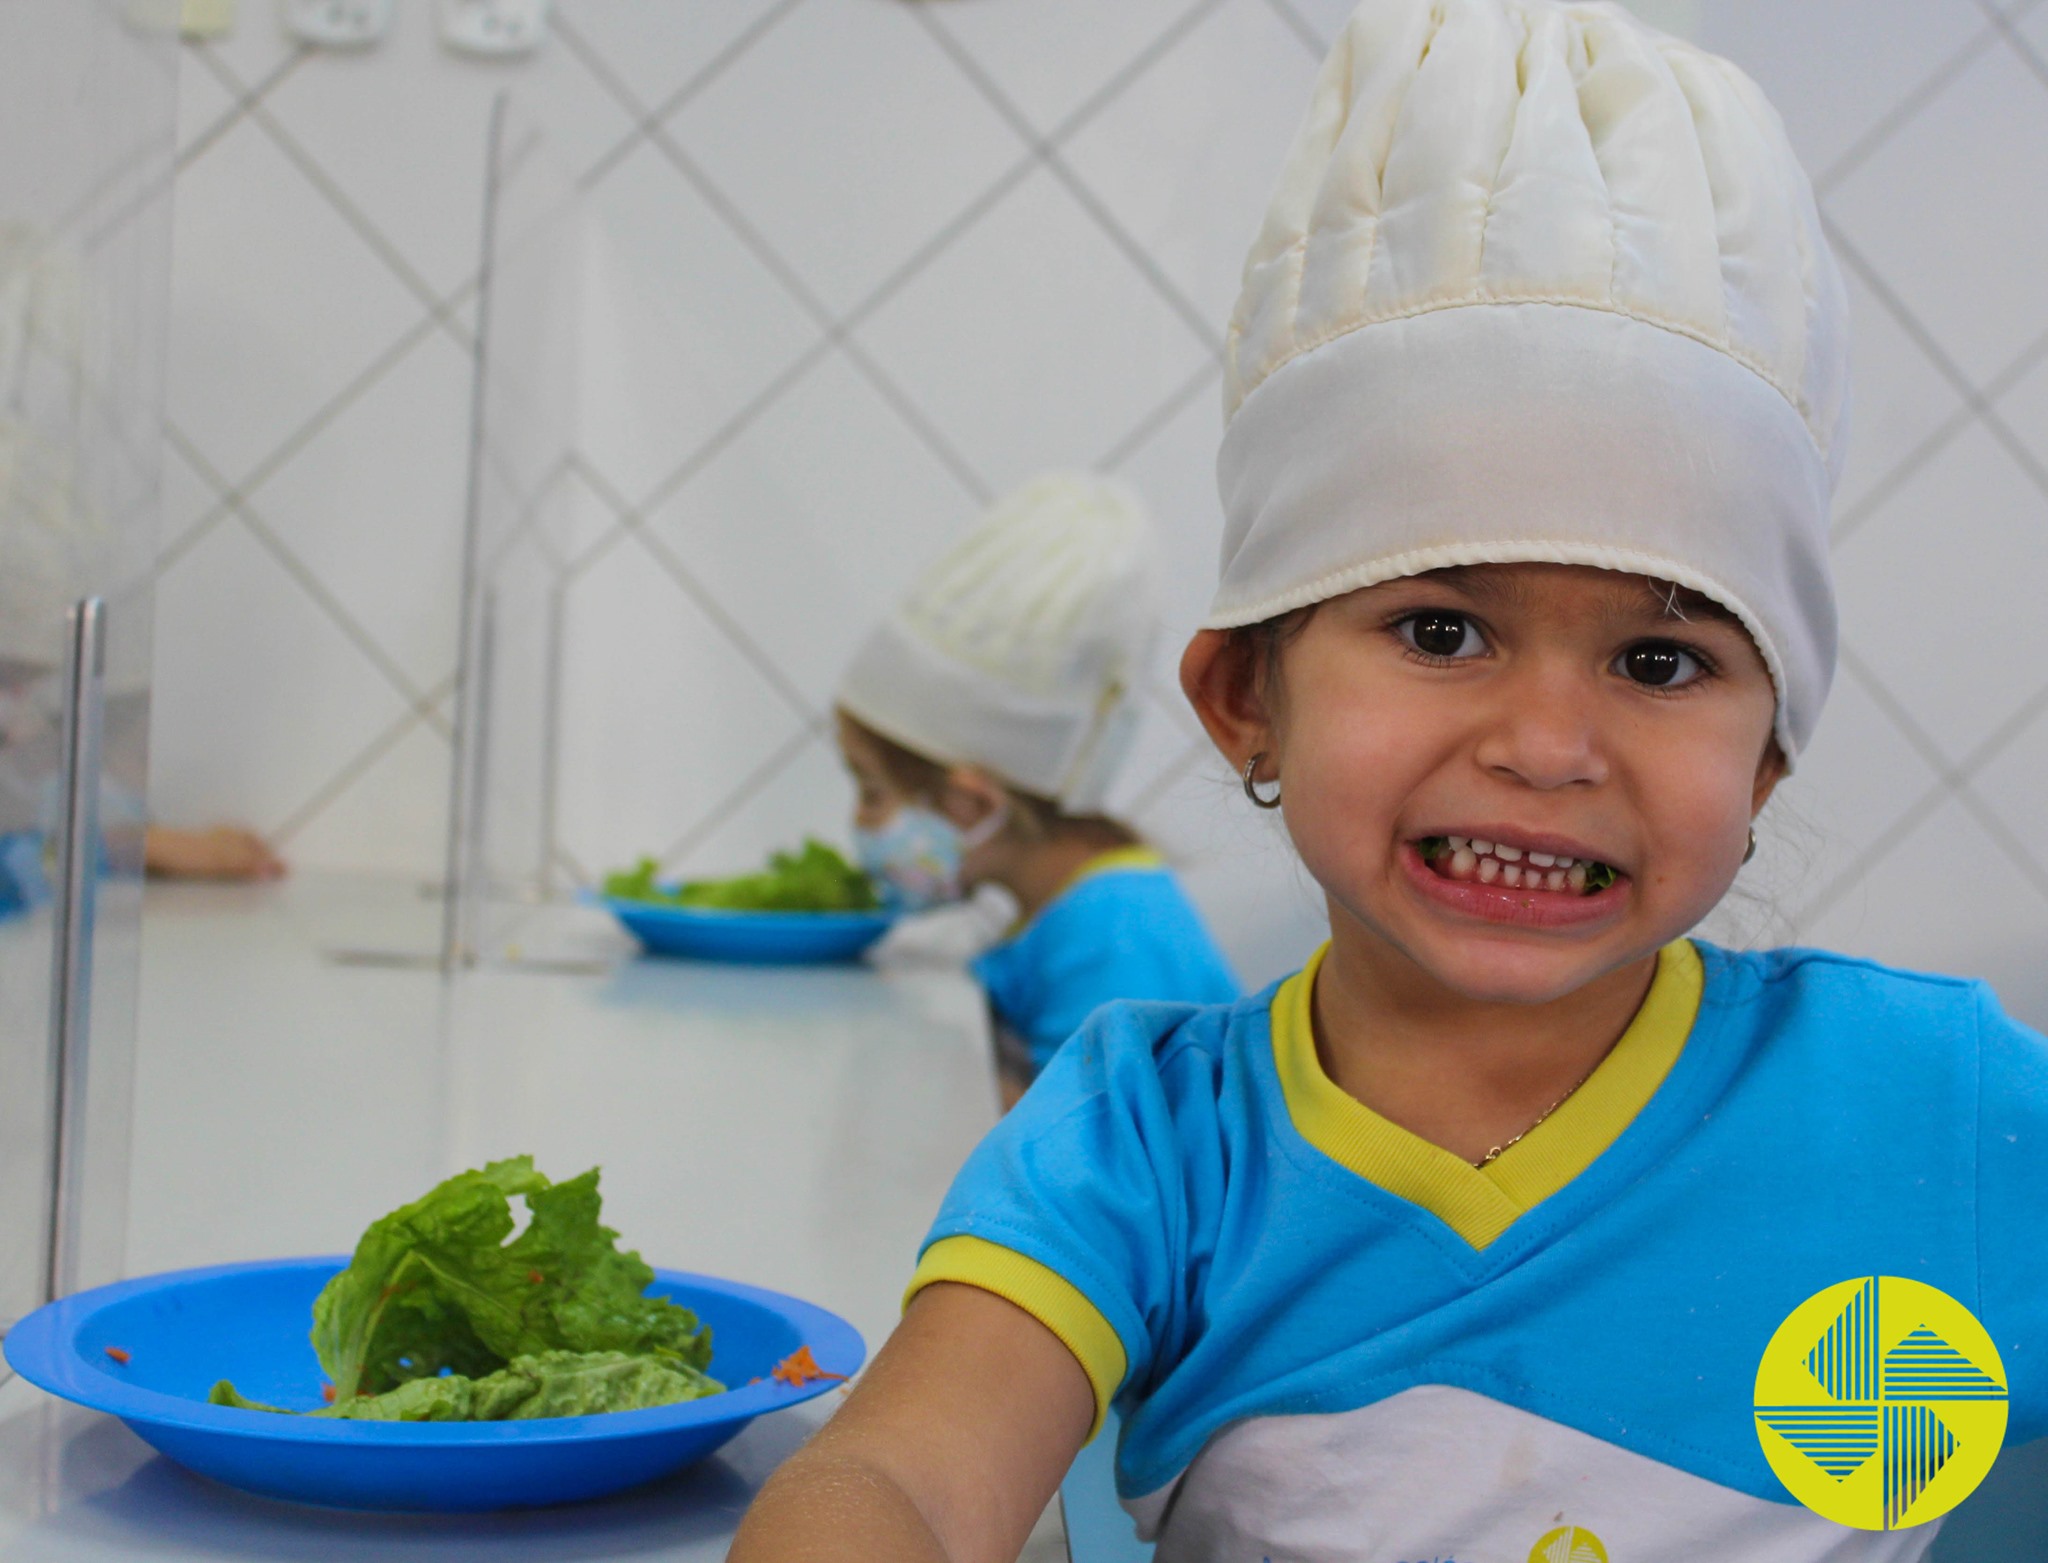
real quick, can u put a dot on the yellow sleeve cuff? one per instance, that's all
(1051, 1299)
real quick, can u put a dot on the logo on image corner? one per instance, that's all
(1569, 1544)
(1881, 1403)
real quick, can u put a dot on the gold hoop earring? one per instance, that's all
(1752, 848)
(1251, 790)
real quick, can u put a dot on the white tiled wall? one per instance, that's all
(863, 264)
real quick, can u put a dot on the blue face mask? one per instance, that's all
(914, 860)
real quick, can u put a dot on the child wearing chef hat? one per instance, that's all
(984, 722)
(1519, 1224)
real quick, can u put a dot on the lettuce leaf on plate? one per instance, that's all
(816, 878)
(546, 1384)
(434, 1288)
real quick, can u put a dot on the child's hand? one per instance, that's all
(225, 852)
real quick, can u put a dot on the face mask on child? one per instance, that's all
(915, 858)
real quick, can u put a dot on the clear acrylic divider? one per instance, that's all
(87, 113)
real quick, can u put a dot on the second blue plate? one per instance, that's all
(756, 938)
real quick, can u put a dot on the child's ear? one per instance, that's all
(1770, 770)
(971, 795)
(1219, 673)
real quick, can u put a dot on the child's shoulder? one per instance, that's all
(1829, 992)
(1143, 1048)
(1856, 979)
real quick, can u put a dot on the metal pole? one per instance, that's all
(78, 855)
(457, 942)
(550, 743)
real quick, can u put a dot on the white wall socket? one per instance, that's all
(338, 24)
(494, 26)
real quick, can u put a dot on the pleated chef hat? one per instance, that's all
(1019, 650)
(1540, 284)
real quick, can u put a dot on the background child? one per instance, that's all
(1469, 1239)
(984, 722)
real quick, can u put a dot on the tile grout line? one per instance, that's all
(2017, 41)
(1951, 371)
(949, 233)
(1952, 779)
(1944, 434)
(1297, 24)
(645, 119)
(779, 761)
(336, 197)
(234, 504)
(1177, 401)
(351, 393)
(1140, 259)
(338, 785)
(714, 610)
(821, 315)
(317, 589)
(244, 98)
(182, 158)
(723, 436)
(1902, 113)
(630, 523)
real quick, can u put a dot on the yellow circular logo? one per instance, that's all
(1881, 1403)
(1569, 1544)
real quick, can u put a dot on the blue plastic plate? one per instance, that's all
(249, 1323)
(757, 938)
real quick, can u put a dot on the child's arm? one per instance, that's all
(947, 1451)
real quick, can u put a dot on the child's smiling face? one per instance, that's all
(1556, 710)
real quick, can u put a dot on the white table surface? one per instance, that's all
(794, 1128)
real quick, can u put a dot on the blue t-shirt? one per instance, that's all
(1330, 1339)
(1124, 929)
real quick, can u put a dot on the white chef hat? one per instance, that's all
(1020, 649)
(1540, 284)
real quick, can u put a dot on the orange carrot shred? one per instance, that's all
(118, 1355)
(327, 1393)
(535, 1276)
(800, 1368)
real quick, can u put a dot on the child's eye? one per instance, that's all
(1438, 633)
(1658, 664)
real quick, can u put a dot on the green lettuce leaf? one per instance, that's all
(435, 1287)
(546, 1384)
(815, 878)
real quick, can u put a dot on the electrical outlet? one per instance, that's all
(494, 26)
(206, 18)
(337, 24)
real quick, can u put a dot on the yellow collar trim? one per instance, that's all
(1481, 1203)
(1115, 860)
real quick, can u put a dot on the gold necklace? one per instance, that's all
(1494, 1154)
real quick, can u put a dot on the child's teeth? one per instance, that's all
(1495, 862)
